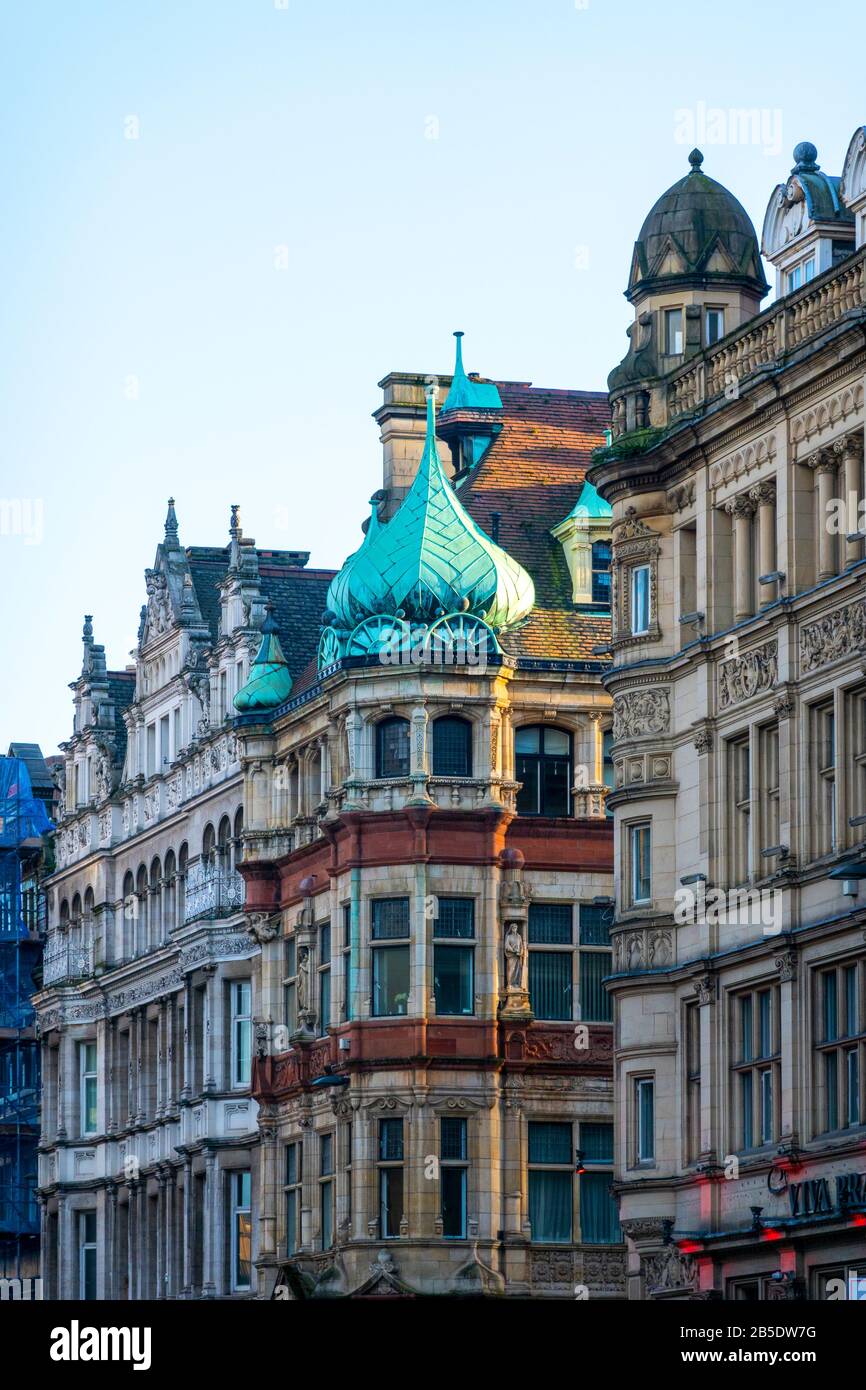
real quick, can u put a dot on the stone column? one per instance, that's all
(110, 1262)
(67, 1284)
(211, 1203)
(188, 1036)
(188, 1184)
(140, 1063)
(849, 452)
(419, 761)
(112, 1098)
(823, 464)
(131, 1239)
(763, 496)
(161, 1232)
(160, 1059)
(212, 1074)
(740, 509)
(270, 1193)
(65, 1078)
(788, 1024)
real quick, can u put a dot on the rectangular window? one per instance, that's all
(756, 1072)
(823, 769)
(693, 1081)
(454, 979)
(326, 1190)
(164, 741)
(640, 864)
(599, 1218)
(739, 809)
(290, 986)
(151, 749)
(241, 1229)
(595, 1002)
(292, 1189)
(455, 918)
(644, 1098)
(715, 326)
(768, 739)
(242, 1028)
(640, 600)
(840, 1044)
(673, 332)
(87, 1255)
(324, 978)
(551, 1179)
(177, 734)
(453, 1176)
(87, 1090)
(390, 1178)
(223, 695)
(601, 558)
(551, 971)
(390, 962)
(390, 918)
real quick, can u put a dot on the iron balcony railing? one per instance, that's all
(212, 891)
(66, 958)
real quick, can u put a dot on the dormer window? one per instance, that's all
(714, 326)
(801, 274)
(673, 332)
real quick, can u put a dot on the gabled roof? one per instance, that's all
(532, 475)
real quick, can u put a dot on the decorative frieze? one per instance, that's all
(838, 634)
(641, 711)
(744, 676)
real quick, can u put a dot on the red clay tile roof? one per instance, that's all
(532, 475)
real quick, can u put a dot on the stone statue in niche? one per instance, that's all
(516, 1002)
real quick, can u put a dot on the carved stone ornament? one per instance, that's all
(748, 675)
(669, 1269)
(838, 634)
(642, 711)
(263, 926)
(705, 989)
(787, 966)
(703, 741)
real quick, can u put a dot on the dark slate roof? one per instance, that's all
(297, 594)
(697, 215)
(298, 597)
(121, 689)
(532, 475)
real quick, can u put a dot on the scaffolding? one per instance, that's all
(24, 824)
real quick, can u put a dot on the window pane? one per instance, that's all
(831, 1022)
(392, 748)
(646, 1121)
(456, 917)
(746, 1033)
(594, 925)
(599, 1220)
(596, 1143)
(327, 1215)
(292, 1224)
(851, 1010)
(325, 944)
(555, 786)
(452, 1137)
(452, 1186)
(550, 1206)
(831, 1085)
(550, 924)
(390, 981)
(453, 981)
(596, 1005)
(291, 957)
(527, 773)
(390, 1140)
(390, 918)
(557, 741)
(324, 1002)
(853, 1067)
(747, 1110)
(550, 984)
(526, 740)
(326, 1155)
(452, 748)
(766, 1023)
(390, 1201)
(601, 556)
(550, 1142)
(293, 1164)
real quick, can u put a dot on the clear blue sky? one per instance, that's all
(307, 126)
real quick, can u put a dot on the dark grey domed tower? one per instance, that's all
(695, 276)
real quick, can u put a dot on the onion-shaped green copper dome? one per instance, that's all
(431, 558)
(269, 684)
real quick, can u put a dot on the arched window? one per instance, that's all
(542, 756)
(170, 898)
(392, 748)
(452, 747)
(601, 553)
(224, 836)
(76, 910)
(141, 898)
(208, 845)
(129, 914)
(64, 914)
(182, 861)
(239, 830)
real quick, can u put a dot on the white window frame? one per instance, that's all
(714, 309)
(635, 831)
(238, 1208)
(670, 334)
(642, 1158)
(635, 588)
(85, 1074)
(240, 1018)
(84, 1246)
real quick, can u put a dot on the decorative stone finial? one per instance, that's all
(696, 159)
(235, 523)
(805, 157)
(171, 525)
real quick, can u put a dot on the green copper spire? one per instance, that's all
(347, 600)
(590, 506)
(466, 394)
(269, 684)
(431, 559)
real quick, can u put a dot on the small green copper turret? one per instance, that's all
(269, 684)
(466, 394)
